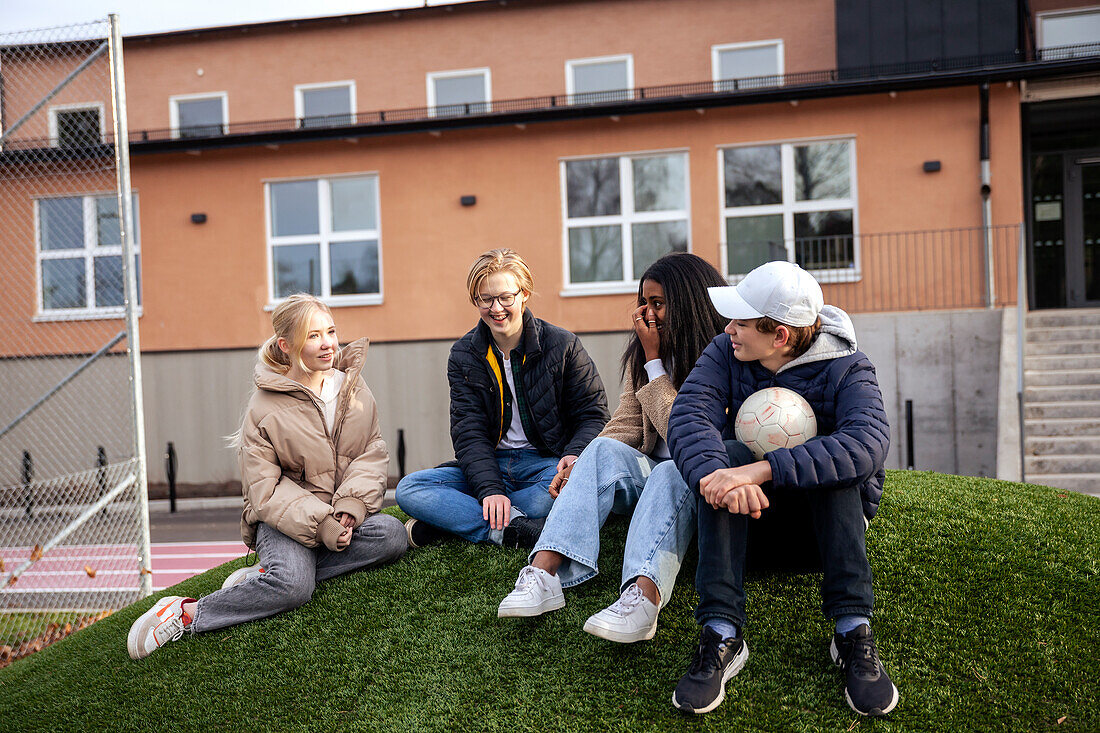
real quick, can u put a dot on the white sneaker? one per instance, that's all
(631, 618)
(156, 627)
(239, 576)
(537, 592)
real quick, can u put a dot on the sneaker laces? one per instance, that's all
(628, 601)
(170, 630)
(706, 656)
(863, 659)
(529, 577)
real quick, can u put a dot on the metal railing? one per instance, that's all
(896, 271)
(700, 91)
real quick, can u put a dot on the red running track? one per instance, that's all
(115, 566)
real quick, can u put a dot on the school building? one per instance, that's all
(901, 151)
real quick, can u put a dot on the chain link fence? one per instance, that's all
(73, 515)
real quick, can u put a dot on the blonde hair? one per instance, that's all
(290, 321)
(498, 260)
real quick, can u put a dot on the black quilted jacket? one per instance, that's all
(562, 387)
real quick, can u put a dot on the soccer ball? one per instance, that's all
(774, 418)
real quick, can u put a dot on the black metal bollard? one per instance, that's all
(910, 463)
(170, 462)
(401, 453)
(26, 478)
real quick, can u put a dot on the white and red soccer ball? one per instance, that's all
(774, 418)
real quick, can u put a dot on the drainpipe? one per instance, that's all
(987, 207)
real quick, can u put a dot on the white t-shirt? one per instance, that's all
(654, 368)
(330, 390)
(515, 438)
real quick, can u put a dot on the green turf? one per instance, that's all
(988, 619)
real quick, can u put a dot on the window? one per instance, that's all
(77, 125)
(323, 238)
(324, 105)
(459, 92)
(621, 214)
(792, 201)
(1059, 30)
(80, 256)
(741, 65)
(608, 78)
(199, 115)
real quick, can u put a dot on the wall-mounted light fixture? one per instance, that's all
(931, 166)
(198, 218)
(468, 200)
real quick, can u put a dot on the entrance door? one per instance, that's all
(1083, 229)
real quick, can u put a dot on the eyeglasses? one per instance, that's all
(505, 299)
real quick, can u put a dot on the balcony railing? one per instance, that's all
(704, 93)
(898, 271)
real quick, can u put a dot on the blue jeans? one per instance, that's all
(801, 530)
(442, 498)
(610, 476)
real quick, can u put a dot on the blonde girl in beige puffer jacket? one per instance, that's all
(313, 472)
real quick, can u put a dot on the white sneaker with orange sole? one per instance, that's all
(239, 576)
(156, 627)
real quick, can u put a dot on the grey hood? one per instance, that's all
(836, 338)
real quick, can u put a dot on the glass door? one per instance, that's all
(1083, 230)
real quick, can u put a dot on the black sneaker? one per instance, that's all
(867, 687)
(421, 533)
(522, 532)
(716, 660)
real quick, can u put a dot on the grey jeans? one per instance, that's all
(292, 571)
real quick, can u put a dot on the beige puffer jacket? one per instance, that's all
(642, 414)
(295, 476)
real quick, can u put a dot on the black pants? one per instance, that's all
(802, 530)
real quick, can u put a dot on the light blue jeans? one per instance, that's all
(442, 498)
(613, 477)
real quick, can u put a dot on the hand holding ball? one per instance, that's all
(774, 418)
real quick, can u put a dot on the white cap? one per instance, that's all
(780, 290)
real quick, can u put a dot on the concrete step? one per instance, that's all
(1052, 348)
(1054, 427)
(1085, 483)
(1061, 361)
(1061, 393)
(1044, 410)
(1064, 317)
(1062, 445)
(1064, 333)
(1061, 377)
(1062, 464)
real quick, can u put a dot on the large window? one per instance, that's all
(747, 65)
(1070, 28)
(199, 115)
(599, 79)
(80, 256)
(76, 125)
(790, 201)
(324, 105)
(323, 238)
(621, 214)
(459, 92)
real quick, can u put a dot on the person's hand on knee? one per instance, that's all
(496, 510)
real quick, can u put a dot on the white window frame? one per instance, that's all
(89, 252)
(174, 113)
(571, 64)
(1069, 13)
(624, 219)
(299, 98)
(716, 51)
(325, 237)
(56, 108)
(788, 207)
(486, 75)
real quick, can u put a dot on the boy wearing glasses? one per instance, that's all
(525, 401)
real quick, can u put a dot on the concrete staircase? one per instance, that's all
(1062, 399)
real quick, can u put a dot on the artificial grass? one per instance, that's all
(988, 618)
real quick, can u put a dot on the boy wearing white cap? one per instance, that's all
(805, 507)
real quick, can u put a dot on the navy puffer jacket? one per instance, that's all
(563, 390)
(838, 381)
